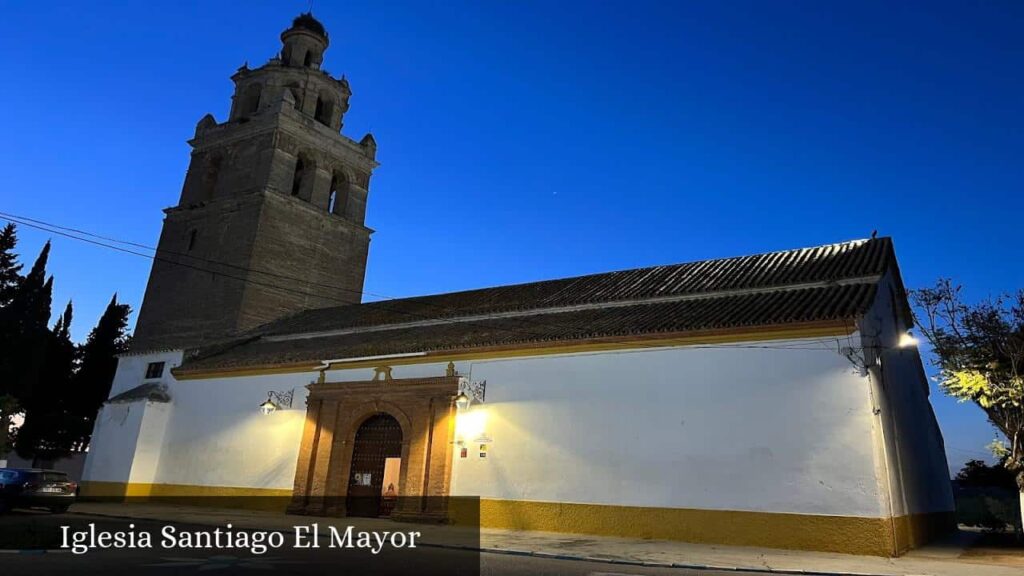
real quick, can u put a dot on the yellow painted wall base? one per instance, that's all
(919, 529)
(273, 500)
(845, 534)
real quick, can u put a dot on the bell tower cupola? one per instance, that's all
(304, 43)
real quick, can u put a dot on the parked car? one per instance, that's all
(35, 488)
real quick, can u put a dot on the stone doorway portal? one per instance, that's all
(355, 427)
(377, 443)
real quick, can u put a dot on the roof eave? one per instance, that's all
(795, 330)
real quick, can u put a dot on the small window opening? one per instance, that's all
(191, 240)
(154, 370)
(308, 60)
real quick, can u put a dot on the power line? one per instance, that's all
(271, 274)
(159, 258)
(43, 225)
(26, 221)
(106, 242)
(970, 452)
(64, 231)
(265, 272)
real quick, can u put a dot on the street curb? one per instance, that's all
(681, 565)
(554, 556)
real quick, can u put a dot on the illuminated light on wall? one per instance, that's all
(268, 407)
(907, 340)
(276, 401)
(469, 425)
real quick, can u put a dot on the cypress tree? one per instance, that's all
(24, 322)
(98, 363)
(9, 268)
(50, 429)
(62, 329)
(29, 340)
(10, 276)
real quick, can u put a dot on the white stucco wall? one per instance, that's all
(127, 437)
(114, 437)
(723, 427)
(778, 426)
(150, 441)
(733, 427)
(918, 442)
(210, 434)
(913, 453)
(217, 437)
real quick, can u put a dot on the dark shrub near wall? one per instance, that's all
(989, 507)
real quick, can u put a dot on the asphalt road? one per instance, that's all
(22, 529)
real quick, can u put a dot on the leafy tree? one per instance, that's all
(91, 383)
(980, 497)
(979, 350)
(976, 473)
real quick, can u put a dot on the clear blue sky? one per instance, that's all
(531, 140)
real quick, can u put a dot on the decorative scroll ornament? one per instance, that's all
(470, 392)
(277, 401)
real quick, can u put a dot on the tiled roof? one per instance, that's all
(825, 283)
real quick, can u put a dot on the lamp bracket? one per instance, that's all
(283, 398)
(474, 390)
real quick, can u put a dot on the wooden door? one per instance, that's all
(377, 439)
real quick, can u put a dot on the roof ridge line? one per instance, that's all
(384, 300)
(871, 279)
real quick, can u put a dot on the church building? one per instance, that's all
(769, 400)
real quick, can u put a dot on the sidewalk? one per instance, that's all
(953, 558)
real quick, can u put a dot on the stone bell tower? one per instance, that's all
(270, 219)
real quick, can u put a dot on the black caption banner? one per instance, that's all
(241, 535)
